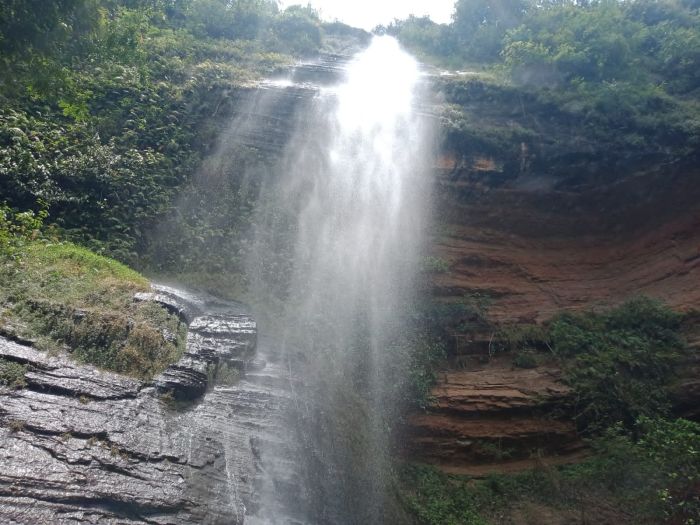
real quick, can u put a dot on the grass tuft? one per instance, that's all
(65, 297)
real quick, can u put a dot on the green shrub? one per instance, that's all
(435, 265)
(426, 355)
(518, 337)
(525, 359)
(17, 228)
(437, 499)
(619, 363)
(673, 449)
(12, 374)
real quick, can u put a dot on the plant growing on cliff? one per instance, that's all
(17, 228)
(649, 479)
(425, 355)
(619, 363)
(66, 297)
(438, 499)
(12, 374)
(431, 264)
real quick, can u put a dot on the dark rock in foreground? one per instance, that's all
(80, 445)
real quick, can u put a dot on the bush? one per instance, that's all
(619, 363)
(437, 499)
(525, 359)
(673, 449)
(12, 374)
(652, 479)
(17, 228)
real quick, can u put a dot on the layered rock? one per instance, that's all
(534, 250)
(493, 418)
(81, 445)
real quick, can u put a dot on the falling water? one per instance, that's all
(339, 231)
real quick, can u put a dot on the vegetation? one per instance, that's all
(652, 479)
(620, 364)
(585, 85)
(433, 264)
(62, 296)
(12, 374)
(109, 107)
(109, 116)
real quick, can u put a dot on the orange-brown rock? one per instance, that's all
(493, 417)
(536, 248)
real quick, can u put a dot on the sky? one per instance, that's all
(369, 13)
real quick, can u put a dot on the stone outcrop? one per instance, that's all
(81, 445)
(534, 250)
(212, 340)
(493, 417)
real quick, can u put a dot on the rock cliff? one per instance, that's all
(535, 245)
(80, 445)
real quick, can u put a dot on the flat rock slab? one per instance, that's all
(81, 445)
(491, 416)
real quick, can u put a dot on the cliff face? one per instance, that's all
(535, 245)
(535, 252)
(80, 445)
(533, 238)
(492, 418)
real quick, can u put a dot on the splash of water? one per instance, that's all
(337, 247)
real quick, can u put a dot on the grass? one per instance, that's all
(65, 297)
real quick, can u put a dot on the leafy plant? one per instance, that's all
(619, 363)
(12, 374)
(433, 264)
(525, 359)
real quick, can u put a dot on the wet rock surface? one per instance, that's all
(80, 445)
(212, 340)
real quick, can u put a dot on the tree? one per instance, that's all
(480, 25)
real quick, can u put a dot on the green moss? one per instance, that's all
(223, 374)
(68, 298)
(432, 264)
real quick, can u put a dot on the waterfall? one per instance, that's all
(338, 235)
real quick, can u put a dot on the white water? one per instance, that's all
(338, 240)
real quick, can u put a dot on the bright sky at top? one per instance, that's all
(369, 13)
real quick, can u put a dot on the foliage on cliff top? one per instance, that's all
(64, 297)
(590, 83)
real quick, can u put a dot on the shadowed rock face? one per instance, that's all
(79, 445)
(538, 250)
(535, 251)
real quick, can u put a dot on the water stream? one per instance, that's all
(339, 230)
